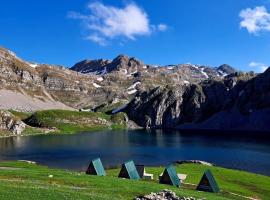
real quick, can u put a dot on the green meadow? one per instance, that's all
(20, 180)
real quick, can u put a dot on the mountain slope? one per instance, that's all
(88, 83)
(240, 101)
(173, 96)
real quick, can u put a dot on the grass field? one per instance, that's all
(64, 121)
(19, 180)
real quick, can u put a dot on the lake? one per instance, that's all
(250, 152)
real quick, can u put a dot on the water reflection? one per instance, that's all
(235, 150)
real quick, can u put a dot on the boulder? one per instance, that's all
(163, 195)
(9, 123)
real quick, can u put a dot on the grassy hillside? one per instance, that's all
(19, 180)
(20, 115)
(64, 121)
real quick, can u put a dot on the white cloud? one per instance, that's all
(109, 22)
(162, 27)
(75, 15)
(97, 39)
(261, 67)
(255, 20)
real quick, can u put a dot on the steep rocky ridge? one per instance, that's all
(240, 101)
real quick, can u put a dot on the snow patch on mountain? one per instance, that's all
(33, 65)
(134, 85)
(221, 73)
(120, 108)
(132, 91)
(132, 73)
(204, 73)
(100, 79)
(96, 85)
(186, 82)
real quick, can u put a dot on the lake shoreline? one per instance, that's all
(153, 148)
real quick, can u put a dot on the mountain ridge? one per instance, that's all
(172, 96)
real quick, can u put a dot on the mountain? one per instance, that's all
(130, 66)
(27, 86)
(241, 101)
(89, 83)
(178, 96)
(226, 69)
(95, 67)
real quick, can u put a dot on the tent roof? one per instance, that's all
(129, 169)
(208, 182)
(173, 175)
(98, 167)
(170, 176)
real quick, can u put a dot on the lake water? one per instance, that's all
(250, 152)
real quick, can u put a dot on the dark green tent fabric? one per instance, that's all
(170, 177)
(208, 183)
(96, 168)
(129, 170)
(140, 170)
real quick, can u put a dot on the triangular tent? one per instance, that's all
(140, 170)
(129, 170)
(170, 177)
(96, 168)
(208, 183)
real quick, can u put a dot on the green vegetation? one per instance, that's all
(106, 108)
(19, 180)
(109, 108)
(64, 121)
(35, 131)
(20, 115)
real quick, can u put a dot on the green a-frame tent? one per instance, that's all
(129, 171)
(208, 183)
(170, 177)
(96, 168)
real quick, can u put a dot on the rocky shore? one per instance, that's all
(194, 162)
(165, 195)
(9, 123)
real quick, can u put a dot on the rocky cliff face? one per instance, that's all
(239, 101)
(9, 123)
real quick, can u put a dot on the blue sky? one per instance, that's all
(208, 32)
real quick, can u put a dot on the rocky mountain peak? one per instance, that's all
(91, 66)
(124, 62)
(226, 69)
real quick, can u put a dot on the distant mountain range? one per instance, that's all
(129, 66)
(153, 96)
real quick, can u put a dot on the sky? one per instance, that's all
(205, 32)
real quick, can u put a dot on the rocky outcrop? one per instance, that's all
(163, 195)
(91, 66)
(9, 123)
(240, 101)
(101, 66)
(200, 162)
(226, 69)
